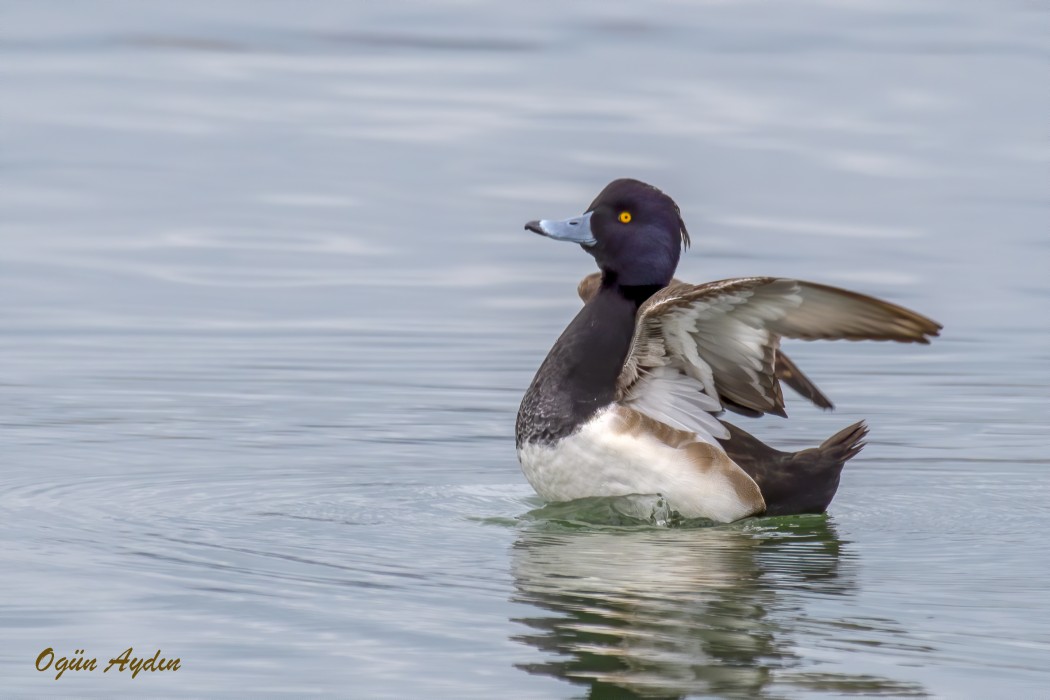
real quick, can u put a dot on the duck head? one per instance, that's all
(634, 231)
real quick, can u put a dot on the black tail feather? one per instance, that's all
(795, 482)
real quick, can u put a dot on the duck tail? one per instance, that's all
(845, 444)
(795, 482)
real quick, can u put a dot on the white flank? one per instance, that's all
(602, 460)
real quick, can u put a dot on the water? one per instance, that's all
(267, 311)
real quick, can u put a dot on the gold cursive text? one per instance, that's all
(122, 662)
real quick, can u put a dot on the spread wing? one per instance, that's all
(784, 367)
(721, 339)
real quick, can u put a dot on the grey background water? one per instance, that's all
(267, 311)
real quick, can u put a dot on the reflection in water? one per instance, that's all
(673, 612)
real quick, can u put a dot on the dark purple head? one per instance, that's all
(634, 231)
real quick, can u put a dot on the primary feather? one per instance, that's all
(722, 338)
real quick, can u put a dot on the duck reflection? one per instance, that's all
(674, 612)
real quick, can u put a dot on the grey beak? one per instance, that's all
(574, 230)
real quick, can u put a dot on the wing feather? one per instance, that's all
(722, 339)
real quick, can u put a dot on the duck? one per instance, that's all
(632, 397)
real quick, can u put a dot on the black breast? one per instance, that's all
(578, 378)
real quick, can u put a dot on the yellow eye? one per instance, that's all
(625, 217)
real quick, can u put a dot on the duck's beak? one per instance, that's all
(574, 230)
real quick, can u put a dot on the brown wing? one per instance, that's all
(785, 369)
(789, 373)
(723, 336)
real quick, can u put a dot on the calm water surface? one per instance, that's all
(267, 311)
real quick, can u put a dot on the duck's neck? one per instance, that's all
(578, 378)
